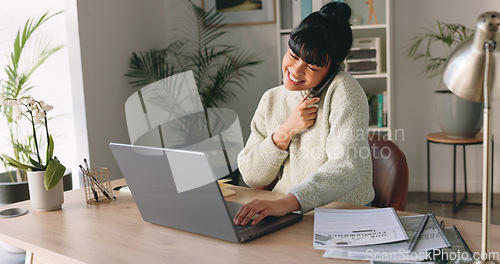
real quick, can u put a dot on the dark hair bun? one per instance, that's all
(324, 37)
(336, 12)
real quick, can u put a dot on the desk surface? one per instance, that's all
(114, 232)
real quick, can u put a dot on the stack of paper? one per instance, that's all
(382, 237)
(347, 227)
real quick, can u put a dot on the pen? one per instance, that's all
(103, 190)
(86, 165)
(419, 233)
(91, 183)
(99, 185)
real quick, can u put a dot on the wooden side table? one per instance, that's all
(442, 138)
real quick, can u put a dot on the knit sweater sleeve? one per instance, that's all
(260, 161)
(346, 163)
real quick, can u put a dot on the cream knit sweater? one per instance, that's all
(329, 161)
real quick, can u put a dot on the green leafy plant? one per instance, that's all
(27, 55)
(36, 113)
(446, 36)
(216, 67)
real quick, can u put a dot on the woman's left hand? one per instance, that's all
(264, 208)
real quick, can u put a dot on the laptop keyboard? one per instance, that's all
(233, 208)
(241, 228)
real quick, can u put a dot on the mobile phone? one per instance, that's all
(316, 91)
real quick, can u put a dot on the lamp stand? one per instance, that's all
(486, 207)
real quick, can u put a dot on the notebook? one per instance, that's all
(178, 189)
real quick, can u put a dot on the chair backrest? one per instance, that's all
(390, 173)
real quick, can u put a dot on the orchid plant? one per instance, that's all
(36, 114)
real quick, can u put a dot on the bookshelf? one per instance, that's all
(289, 14)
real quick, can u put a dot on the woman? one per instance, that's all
(314, 149)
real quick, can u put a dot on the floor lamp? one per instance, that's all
(473, 73)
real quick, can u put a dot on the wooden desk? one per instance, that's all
(114, 232)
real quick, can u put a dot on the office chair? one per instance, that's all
(390, 173)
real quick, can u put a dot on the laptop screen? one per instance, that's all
(175, 188)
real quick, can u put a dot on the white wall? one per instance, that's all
(262, 40)
(414, 109)
(109, 32)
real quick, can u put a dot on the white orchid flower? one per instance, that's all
(40, 115)
(47, 107)
(37, 121)
(12, 103)
(30, 100)
(24, 100)
(17, 112)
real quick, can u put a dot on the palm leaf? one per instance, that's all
(216, 67)
(231, 72)
(448, 35)
(30, 27)
(148, 67)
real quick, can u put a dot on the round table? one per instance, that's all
(442, 138)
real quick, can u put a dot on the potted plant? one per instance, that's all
(216, 67)
(43, 177)
(27, 55)
(457, 117)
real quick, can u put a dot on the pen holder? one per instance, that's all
(97, 186)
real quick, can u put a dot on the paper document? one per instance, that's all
(348, 227)
(431, 238)
(458, 247)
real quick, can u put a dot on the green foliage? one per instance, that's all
(27, 54)
(16, 164)
(448, 36)
(216, 67)
(53, 174)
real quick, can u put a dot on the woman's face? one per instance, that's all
(298, 75)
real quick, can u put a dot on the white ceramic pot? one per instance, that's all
(41, 199)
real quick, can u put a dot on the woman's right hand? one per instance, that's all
(302, 117)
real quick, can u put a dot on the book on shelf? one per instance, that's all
(380, 110)
(382, 107)
(294, 11)
(306, 8)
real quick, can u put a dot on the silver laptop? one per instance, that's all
(178, 189)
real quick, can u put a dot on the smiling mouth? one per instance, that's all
(293, 79)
